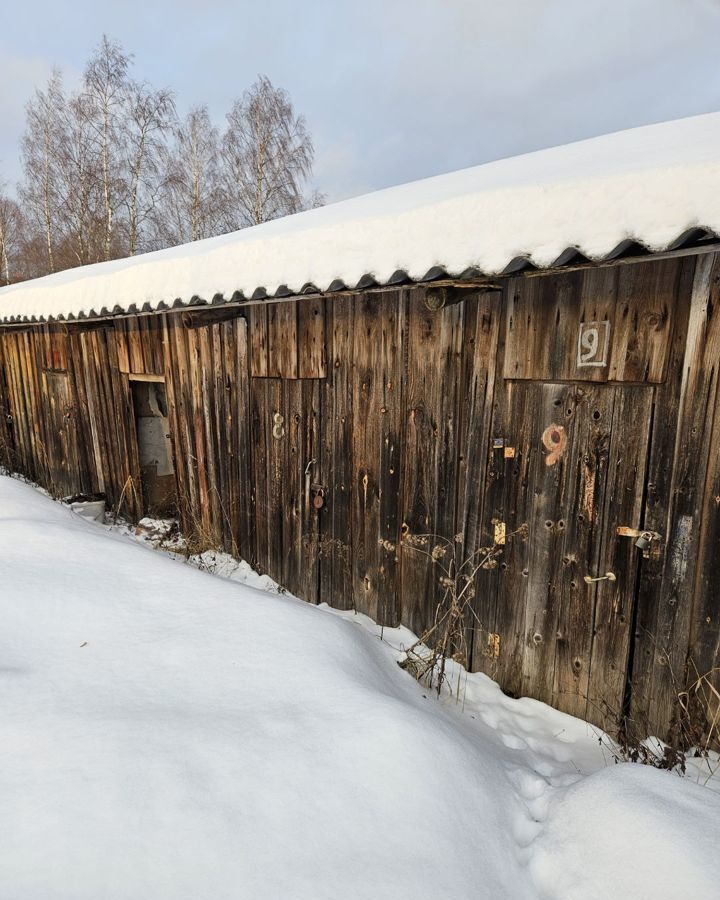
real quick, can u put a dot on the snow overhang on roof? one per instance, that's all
(655, 186)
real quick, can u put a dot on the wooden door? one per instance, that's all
(567, 467)
(61, 443)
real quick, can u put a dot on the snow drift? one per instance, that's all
(171, 734)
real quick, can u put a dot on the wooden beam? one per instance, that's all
(144, 376)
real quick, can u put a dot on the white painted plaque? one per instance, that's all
(593, 344)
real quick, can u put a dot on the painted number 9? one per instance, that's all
(593, 340)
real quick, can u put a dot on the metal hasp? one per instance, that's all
(643, 538)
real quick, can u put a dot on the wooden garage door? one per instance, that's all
(567, 461)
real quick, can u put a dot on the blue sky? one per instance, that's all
(392, 89)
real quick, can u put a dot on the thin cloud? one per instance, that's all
(397, 89)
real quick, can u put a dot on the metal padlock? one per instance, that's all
(643, 542)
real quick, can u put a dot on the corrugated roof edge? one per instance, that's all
(571, 257)
(648, 190)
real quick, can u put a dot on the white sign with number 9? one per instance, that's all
(593, 343)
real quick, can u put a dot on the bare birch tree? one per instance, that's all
(151, 115)
(109, 170)
(10, 237)
(40, 154)
(105, 91)
(267, 156)
(83, 218)
(192, 205)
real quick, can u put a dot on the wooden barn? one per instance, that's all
(522, 355)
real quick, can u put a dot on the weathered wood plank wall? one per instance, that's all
(310, 435)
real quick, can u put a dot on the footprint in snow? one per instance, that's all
(514, 742)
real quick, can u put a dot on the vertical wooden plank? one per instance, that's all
(376, 436)
(623, 504)
(475, 406)
(40, 435)
(434, 345)
(223, 459)
(151, 335)
(205, 401)
(190, 507)
(275, 474)
(309, 585)
(261, 415)
(246, 447)
(258, 328)
(312, 352)
(499, 640)
(121, 339)
(110, 392)
(87, 447)
(392, 439)
(135, 345)
(238, 427)
(268, 457)
(369, 375)
(290, 453)
(37, 463)
(7, 443)
(94, 433)
(336, 459)
(97, 374)
(21, 423)
(23, 414)
(283, 339)
(170, 369)
(35, 456)
(195, 396)
(120, 406)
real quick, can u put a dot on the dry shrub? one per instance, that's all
(454, 614)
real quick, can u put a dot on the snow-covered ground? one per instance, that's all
(168, 733)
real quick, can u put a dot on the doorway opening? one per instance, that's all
(154, 447)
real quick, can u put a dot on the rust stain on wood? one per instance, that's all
(588, 497)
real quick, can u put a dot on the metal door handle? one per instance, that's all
(608, 576)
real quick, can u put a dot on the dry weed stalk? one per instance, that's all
(695, 728)
(446, 638)
(129, 489)
(700, 709)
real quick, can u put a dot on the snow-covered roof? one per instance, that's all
(650, 185)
